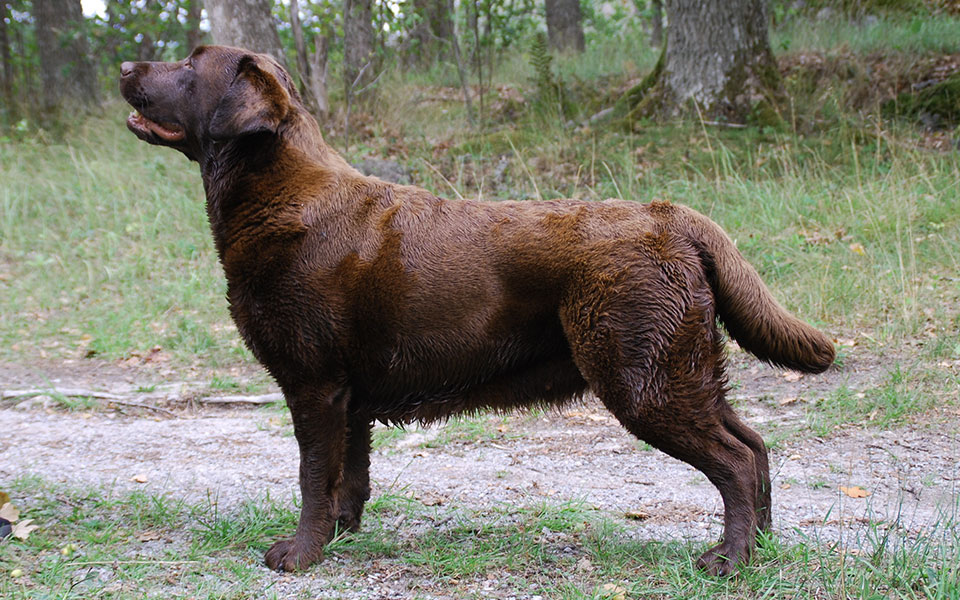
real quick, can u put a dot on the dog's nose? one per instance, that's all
(126, 69)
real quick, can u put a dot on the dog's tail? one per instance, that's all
(746, 307)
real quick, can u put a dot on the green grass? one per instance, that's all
(93, 543)
(105, 251)
(890, 34)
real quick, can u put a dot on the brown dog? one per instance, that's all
(372, 301)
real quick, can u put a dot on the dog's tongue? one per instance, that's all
(165, 131)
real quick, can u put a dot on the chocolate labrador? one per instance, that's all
(372, 301)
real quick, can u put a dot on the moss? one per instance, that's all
(765, 114)
(935, 105)
(626, 110)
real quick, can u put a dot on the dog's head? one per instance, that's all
(216, 94)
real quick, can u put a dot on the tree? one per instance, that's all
(246, 24)
(433, 31)
(565, 25)
(312, 69)
(358, 36)
(716, 62)
(66, 72)
(9, 102)
(194, 33)
(656, 23)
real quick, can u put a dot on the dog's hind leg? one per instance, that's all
(663, 380)
(753, 440)
(355, 489)
(320, 426)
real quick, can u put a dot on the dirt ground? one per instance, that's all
(195, 451)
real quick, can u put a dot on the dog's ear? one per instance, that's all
(255, 102)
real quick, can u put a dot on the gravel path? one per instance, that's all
(912, 473)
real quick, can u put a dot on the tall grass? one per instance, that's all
(105, 250)
(904, 34)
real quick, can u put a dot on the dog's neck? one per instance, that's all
(271, 159)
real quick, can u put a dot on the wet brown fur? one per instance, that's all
(372, 301)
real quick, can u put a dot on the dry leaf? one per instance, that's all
(583, 565)
(9, 512)
(788, 400)
(139, 479)
(785, 486)
(148, 536)
(637, 515)
(854, 491)
(857, 248)
(4, 498)
(22, 530)
(612, 591)
(792, 376)
(16, 573)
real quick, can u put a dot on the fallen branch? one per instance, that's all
(146, 406)
(261, 399)
(65, 392)
(132, 400)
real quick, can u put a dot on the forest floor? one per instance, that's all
(838, 485)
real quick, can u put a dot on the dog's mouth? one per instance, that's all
(144, 127)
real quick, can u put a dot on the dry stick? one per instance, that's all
(525, 168)
(146, 406)
(132, 562)
(447, 181)
(125, 401)
(346, 119)
(66, 392)
(261, 399)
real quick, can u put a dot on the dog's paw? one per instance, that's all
(288, 555)
(722, 560)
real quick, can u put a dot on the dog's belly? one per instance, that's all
(425, 379)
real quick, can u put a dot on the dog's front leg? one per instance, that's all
(320, 425)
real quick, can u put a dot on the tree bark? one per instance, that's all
(67, 75)
(565, 25)
(194, 34)
(358, 36)
(716, 63)
(312, 70)
(318, 76)
(246, 24)
(433, 32)
(9, 102)
(656, 23)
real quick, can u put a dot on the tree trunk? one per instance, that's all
(312, 70)
(716, 63)
(9, 102)
(434, 30)
(303, 65)
(565, 25)
(246, 24)
(656, 23)
(67, 75)
(358, 36)
(318, 76)
(194, 34)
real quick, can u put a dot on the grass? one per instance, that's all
(93, 543)
(907, 34)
